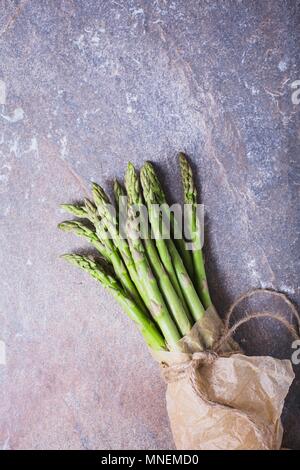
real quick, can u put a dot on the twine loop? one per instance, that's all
(188, 369)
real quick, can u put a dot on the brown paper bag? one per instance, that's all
(226, 403)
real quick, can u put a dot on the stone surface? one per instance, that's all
(84, 87)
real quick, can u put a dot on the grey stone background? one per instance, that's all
(86, 86)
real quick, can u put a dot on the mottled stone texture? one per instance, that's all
(88, 85)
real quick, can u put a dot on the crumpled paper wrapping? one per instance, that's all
(231, 403)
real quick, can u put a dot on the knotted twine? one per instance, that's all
(219, 398)
(188, 369)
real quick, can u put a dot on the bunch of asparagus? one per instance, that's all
(159, 282)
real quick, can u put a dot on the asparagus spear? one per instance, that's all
(160, 198)
(74, 209)
(109, 221)
(174, 303)
(121, 205)
(190, 294)
(108, 249)
(190, 197)
(107, 213)
(161, 243)
(119, 193)
(114, 255)
(83, 231)
(157, 304)
(178, 268)
(146, 326)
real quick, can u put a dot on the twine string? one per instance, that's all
(188, 368)
(271, 292)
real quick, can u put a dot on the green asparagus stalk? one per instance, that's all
(114, 255)
(146, 326)
(102, 243)
(119, 193)
(108, 217)
(155, 223)
(120, 196)
(109, 221)
(157, 304)
(190, 197)
(167, 246)
(75, 209)
(190, 294)
(83, 231)
(160, 198)
(175, 304)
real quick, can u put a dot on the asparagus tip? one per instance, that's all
(182, 157)
(67, 256)
(130, 166)
(100, 197)
(148, 166)
(63, 226)
(74, 209)
(90, 207)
